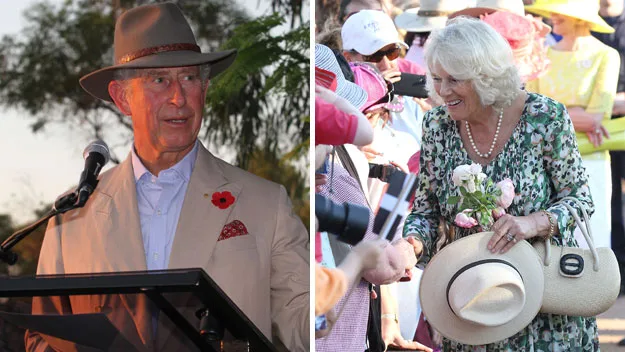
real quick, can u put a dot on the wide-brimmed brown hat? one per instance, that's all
(153, 36)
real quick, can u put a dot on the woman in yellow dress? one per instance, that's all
(583, 76)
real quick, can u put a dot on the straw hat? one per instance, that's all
(585, 10)
(327, 63)
(430, 15)
(475, 297)
(366, 77)
(152, 36)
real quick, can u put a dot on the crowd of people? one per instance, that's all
(515, 89)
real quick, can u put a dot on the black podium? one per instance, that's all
(217, 325)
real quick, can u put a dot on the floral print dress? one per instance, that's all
(542, 160)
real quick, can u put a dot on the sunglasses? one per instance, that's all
(376, 57)
(387, 98)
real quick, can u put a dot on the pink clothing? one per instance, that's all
(407, 66)
(333, 126)
(318, 252)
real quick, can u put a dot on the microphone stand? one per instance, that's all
(61, 205)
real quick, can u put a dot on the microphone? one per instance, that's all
(96, 156)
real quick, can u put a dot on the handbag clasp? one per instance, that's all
(571, 265)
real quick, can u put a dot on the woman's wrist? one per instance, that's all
(545, 224)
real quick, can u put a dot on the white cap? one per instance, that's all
(368, 31)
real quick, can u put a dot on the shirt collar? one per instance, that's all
(183, 168)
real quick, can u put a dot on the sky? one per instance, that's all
(37, 168)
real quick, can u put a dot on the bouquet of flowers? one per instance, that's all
(481, 201)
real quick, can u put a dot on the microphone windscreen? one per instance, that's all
(99, 147)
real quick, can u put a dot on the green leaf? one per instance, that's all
(453, 200)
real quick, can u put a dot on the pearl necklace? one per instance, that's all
(492, 145)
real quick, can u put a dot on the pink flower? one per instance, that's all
(498, 212)
(507, 193)
(463, 220)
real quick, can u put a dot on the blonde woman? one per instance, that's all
(583, 76)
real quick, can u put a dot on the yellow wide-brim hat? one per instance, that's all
(585, 10)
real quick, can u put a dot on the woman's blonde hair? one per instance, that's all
(469, 49)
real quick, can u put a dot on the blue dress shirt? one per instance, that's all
(159, 199)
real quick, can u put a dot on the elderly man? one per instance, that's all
(172, 204)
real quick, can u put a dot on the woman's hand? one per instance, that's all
(370, 152)
(402, 167)
(596, 137)
(320, 180)
(391, 75)
(417, 245)
(509, 230)
(392, 337)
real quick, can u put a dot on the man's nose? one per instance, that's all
(178, 95)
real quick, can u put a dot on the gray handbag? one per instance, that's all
(578, 282)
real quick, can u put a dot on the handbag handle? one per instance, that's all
(586, 231)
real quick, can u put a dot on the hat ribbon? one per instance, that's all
(433, 13)
(158, 49)
(471, 265)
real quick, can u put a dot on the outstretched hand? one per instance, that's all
(392, 338)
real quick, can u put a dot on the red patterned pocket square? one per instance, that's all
(233, 229)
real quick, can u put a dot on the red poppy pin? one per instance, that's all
(222, 200)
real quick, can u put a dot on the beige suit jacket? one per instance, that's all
(266, 273)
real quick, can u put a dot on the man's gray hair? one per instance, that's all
(469, 49)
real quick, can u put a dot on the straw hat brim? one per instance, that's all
(96, 83)
(457, 255)
(411, 22)
(597, 23)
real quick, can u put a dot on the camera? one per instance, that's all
(383, 172)
(411, 85)
(347, 221)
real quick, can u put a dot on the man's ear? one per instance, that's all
(118, 92)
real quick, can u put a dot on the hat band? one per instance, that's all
(433, 13)
(471, 265)
(158, 49)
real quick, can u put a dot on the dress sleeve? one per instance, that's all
(568, 176)
(423, 219)
(604, 88)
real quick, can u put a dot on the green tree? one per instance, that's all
(261, 102)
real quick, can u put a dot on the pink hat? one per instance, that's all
(526, 37)
(373, 83)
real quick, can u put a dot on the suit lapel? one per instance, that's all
(123, 219)
(124, 235)
(200, 223)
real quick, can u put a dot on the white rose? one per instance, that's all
(460, 174)
(471, 186)
(475, 169)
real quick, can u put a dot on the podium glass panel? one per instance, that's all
(132, 311)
